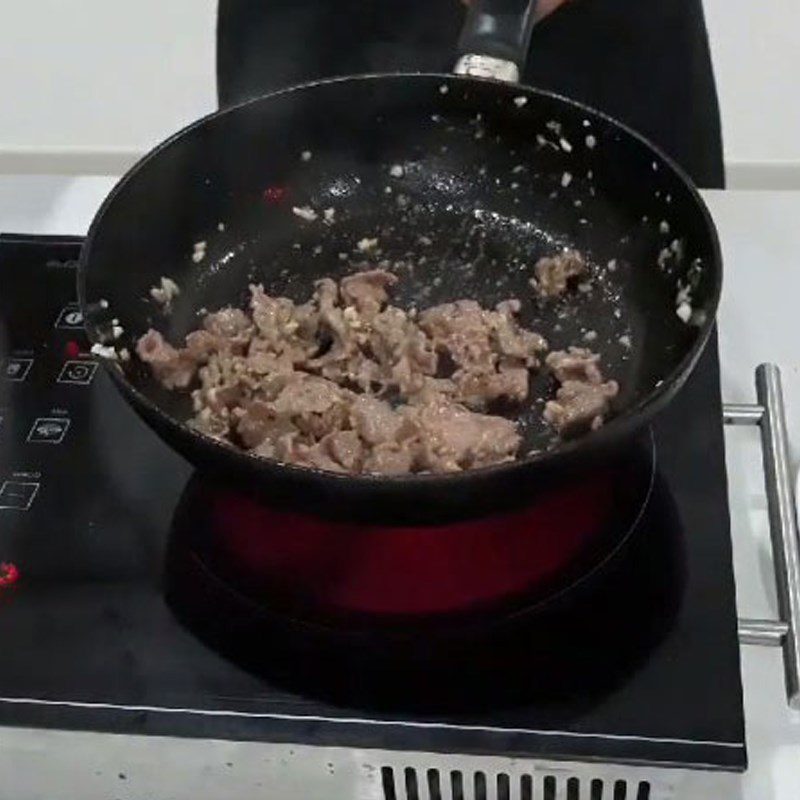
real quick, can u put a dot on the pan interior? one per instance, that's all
(464, 185)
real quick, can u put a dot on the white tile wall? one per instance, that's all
(88, 85)
(757, 58)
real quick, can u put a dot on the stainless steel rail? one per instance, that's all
(770, 416)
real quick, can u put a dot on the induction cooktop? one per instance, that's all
(107, 624)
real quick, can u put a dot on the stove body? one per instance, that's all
(634, 694)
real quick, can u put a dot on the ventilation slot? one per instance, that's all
(387, 778)
(457, 785)
(435, 784)
(412, 789)
(526, 787)
(503, 787)
(480, 786)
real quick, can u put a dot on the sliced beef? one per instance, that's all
(346, 382)
(391, 458)
(556, 274)
(511, 340)
(491, 351)
(367, 291)
(404, 353)
(583, 399)
(201, 344)
(575, 364)
(259, 424)
(580, 406)
(345, 448)
(374, 420)
(461, 330)
(316, 456)
(451, 437)
(476, 388)
(229, 323)
(307, 395)
(217, 426)
(175, 369)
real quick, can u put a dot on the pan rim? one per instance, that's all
(619, 427)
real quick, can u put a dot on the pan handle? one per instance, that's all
(495, 38)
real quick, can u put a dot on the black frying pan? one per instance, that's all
(494, 175)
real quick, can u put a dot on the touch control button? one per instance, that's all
(78, 372)
(16, 369)
(49, 430)
(18, 494)
(70, 318)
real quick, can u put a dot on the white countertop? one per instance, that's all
(758, 322)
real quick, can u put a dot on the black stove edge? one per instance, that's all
(369, 734)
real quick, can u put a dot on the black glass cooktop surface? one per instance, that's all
(644, 669)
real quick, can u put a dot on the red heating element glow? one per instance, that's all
(72, 350)
(9, 575)
(274, 194)
(411, 570)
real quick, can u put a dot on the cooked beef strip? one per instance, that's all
(374, 420)
(492, 352)
(583, 399)
(367, 290)
(575, 364)
(579, 406)
(555, 274)
(175, 369)
(347, 383)
(389, 458)
(450, 437)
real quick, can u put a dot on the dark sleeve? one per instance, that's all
(646, 62)
(268, 44)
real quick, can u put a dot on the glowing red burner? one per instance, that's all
(410, 570)
(274, 194)
(9, 575)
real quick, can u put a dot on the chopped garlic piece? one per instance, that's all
(366, 245)
(304, 212)
(103, 351)
(163, 294)
(199, 251)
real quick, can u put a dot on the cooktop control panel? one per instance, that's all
(45, 372)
